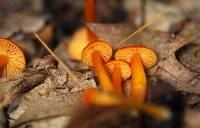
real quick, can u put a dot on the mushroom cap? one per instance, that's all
(124, 68)
(103, 47)
(13, 58)
(78, 41)
(147, 55)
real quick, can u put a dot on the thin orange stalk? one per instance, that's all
(104, 79)
(90, 11)
(94, 97)
(116, 80)
(138, 79)
(90, 16)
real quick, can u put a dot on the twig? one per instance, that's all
(62, 64)
(143, 27)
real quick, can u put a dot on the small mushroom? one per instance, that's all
(137, 56)
(12, 60)
(83, 35)
(119, 70)
(79, 40)
(94, 54)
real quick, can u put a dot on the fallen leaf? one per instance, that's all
(45, 107)
(165, 45)
(189, 55)
(21, 22)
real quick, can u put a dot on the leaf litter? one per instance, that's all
(54, 95)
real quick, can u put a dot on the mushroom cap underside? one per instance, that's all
(103, 47)
(12, 57)
(124, 68)
(147, 55)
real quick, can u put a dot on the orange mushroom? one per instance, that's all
(83, 35)
(78, 41)
(93, 55)
(119, 70)
(12, 60)
(138, 56)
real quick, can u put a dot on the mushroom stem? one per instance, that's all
(90, 16)
(116, 80)
(94, 97)
(90, 11)
(138, 79)
(158, 112)
(3, 60)
(104, 79)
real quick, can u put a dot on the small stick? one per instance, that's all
(143, 27)
(62, 64)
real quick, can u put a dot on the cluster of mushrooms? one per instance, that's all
(128, 61)
(97, 53)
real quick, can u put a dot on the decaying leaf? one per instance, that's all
(49, 84)
(21, 22)
(112, 33)
(44, 107)
(48, 122)
(189, 55)
(165, 45)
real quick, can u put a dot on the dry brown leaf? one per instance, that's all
(112, 33)
(56, 84)
(45, 107)
(165, 45)
(47, 122)
(21, 22)
(189, 55)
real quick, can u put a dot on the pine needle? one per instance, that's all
(62, 64)
(152, 20)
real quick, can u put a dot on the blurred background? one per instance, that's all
(57, 20)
